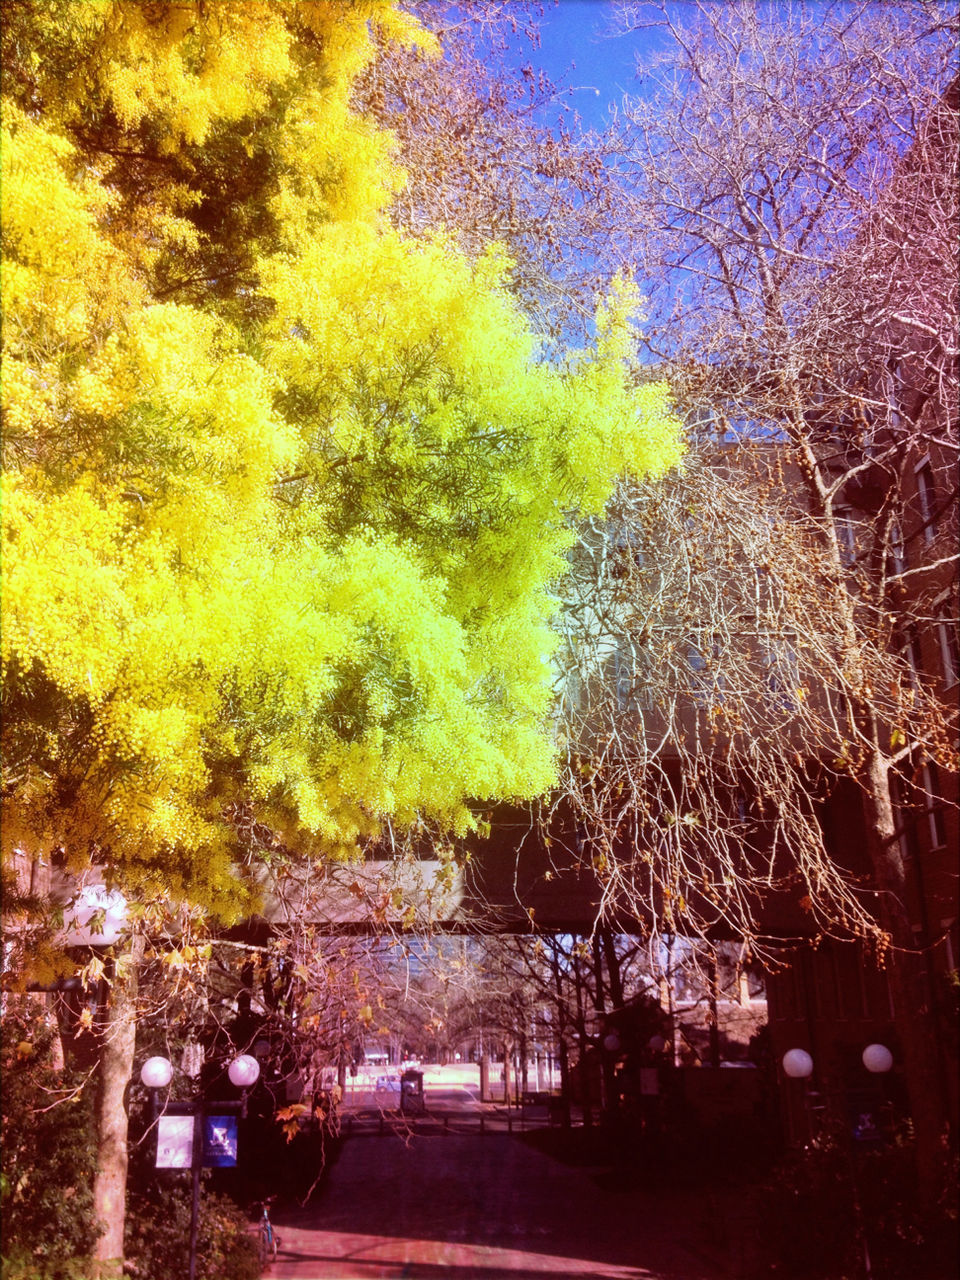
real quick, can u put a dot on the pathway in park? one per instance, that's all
(489, 1206)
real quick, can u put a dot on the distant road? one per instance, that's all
(447, 1097)
(452, 1098)
(454, 1087)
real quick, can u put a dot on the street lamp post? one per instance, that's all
(878, 1060)
(156, 1074)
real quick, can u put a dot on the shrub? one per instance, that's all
(909, 1236)
(807, 1214)
(821, 1202)
(157, 1243)
(48, 1157)
(23, 1266)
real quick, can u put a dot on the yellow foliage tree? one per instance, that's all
(285, 490)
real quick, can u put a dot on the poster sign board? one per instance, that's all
(220, 1142)
(175, 1142)
(649, 1081)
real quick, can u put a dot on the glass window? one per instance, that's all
(949, 656)
(846, 537)
(927, 495)
(782, 669)
(906, 823)
(933, 806)
(633, 682)
(911, 652)
(897, 558)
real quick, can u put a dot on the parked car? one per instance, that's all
(387, 1090)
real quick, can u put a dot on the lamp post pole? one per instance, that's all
(197, 1165)
(156, 1073)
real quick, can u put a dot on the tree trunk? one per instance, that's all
(586, 1100)
(564, 1081)
(714, 1016)
(561, 1045)
(614, 980)
(118, 1039)
(906, 975)
(608, 1070)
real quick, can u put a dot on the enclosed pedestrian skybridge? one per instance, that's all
(512, 880)
(523, 877)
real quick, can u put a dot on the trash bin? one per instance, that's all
(411, 1093)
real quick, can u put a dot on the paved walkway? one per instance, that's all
(485, 1207)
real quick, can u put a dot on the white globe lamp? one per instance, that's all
(611, 1042)
(877, 1058)
(156, 1073)
(797, 1064)
(244, 1071)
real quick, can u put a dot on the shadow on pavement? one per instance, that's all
(461, 1207)
(331, 1267)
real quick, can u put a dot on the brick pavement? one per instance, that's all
(490, 1207)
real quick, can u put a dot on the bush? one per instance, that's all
(157, 1243)
(23, 1266)
(908, 1236)
(48, 1158)
(807, 1215)
(809, 1212)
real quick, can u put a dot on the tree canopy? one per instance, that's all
(496, 155)
(286, 488)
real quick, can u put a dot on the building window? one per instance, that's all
(949, 655)
(782, 674)
(702, 655)
(785, 1003)
(625, 553)
(933, 806)
(846, 537)
(906, 824)
(910, 648)
(927, 495)
(890, 384)
(633, 684)
(897, 556)
(624, 673)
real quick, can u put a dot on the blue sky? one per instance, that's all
(575, 51)
(578, 51)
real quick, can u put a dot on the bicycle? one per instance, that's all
(268, 1242)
